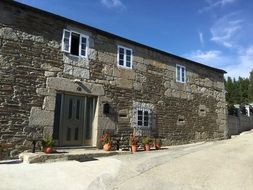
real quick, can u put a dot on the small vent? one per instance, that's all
(122, 115)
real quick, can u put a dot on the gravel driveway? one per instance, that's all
(222, 165)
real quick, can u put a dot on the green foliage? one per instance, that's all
(105, 138)
(232, 110)
(47, 141)
(133, 140)
(239, 91)
(146, 140)
(250, 92)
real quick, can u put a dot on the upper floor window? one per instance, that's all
(74, 43)
(180, 73)
(125, 57)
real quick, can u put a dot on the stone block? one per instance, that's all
(63, 84)
(141, 67)
(124, 83)
(49, 74)
(49, 103)
(124, 73)
(81, 72)
(137, 86)
(40, 117)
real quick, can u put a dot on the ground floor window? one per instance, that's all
(143, 119)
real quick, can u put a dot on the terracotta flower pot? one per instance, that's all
(107, 146)
(48, 150)
(134, 148)
(157, 146)
(147, 147)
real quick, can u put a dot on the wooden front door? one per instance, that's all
(77, 117)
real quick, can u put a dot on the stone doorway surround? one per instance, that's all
(42, 118)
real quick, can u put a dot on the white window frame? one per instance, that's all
(181, 76)
(125, 57)
(80, 43)
(149, 118)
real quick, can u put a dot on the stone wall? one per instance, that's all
(238, 124)
(33, 69)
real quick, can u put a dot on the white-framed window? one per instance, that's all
(75, 43)
(125, 57)
(143, 118)
(180, 73)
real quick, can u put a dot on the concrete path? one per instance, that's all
(222, 165)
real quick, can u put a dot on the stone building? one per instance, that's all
(72, 81)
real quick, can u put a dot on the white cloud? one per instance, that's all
(212, 57)
(239, 64)
(214, 4)
(201, 38)
(244, 64)
(225, 29)
(113, 4)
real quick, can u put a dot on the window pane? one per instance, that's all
(121, 62)
(84, 40)
(121, 56)
(183, 74)
(146, 123)
(121, 50)
(76, 133)
(128, 64)
(139, 123)
(178, 73)
(75, 44)
(68, 134)
(83, 46)
(83, 52)
(128, 52)
(66, 41)
(66, 44)
(77, 109)
(70, 108)
(67, 34)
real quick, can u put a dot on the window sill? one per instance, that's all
(123, 67)
(75, 56)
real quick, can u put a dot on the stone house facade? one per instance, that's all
(62, 78)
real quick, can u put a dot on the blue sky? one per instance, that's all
(217, 33)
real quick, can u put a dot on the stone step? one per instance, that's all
(80, 155)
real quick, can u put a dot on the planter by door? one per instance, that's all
(157, 146)
(107, 147)
(147, 147)
(134, 148)
(48, 150)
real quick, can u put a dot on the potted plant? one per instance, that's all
(158, 143)
(47, 144)
(105, 139)
(146, 141)
(133, 141)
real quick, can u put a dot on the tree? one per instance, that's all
(250, 92)
(238, 90)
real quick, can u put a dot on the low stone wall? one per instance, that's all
(236, 125)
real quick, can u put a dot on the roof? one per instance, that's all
(102, 32)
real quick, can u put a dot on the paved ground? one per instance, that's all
(223, 165)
